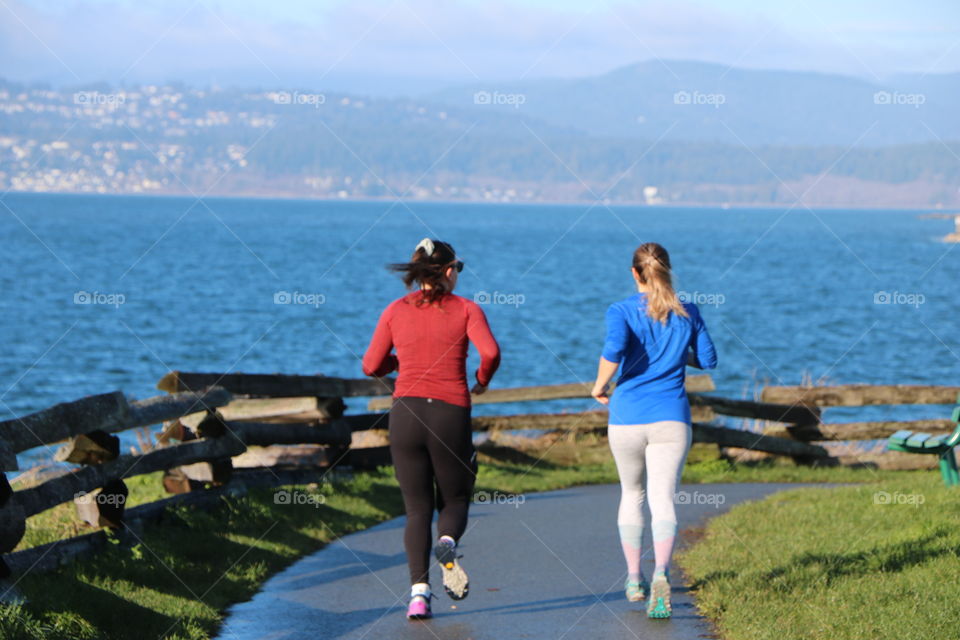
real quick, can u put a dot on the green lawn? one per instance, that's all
(186, 571)
(878, 561)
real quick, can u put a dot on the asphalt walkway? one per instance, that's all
(543, 565)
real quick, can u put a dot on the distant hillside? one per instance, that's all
(176, 139)
(700, 102)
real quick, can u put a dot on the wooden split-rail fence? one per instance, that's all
(229, 432)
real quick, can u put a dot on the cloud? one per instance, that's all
(249, 43)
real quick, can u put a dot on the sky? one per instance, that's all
(397, 47)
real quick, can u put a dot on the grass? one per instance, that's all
(179, 578)
(62, 522)
(879, 560)
(175, 582)
(587, 460)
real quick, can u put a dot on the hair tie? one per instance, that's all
(427, 245)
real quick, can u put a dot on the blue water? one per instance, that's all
(788, 293)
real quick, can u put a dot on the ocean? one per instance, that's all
(100, 293)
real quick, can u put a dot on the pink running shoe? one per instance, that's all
(419, 608)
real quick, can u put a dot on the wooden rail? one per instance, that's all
(858, 430)
(853, 395)
(207, 426)
(49, 556)
(65, 487)
(699, 382)
(757, 410)
(109, 413)
(728, 437)
(277, 385)
(207, 444)
(574, 421)
(859, 395)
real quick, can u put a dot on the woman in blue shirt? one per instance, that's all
(651, 338)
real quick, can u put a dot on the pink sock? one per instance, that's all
(632, 555)
(662, 550)
(664, 533)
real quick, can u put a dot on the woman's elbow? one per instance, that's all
(490, 354)
(369, 368)
(612, 357)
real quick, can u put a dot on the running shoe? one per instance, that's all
(636, 591)
(455, 580)
(659, 604)
(419, 608)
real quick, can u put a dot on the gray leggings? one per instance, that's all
(649, 461)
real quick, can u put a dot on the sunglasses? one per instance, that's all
(458, 265)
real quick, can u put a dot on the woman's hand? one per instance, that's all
(605, 372)
(599, 393)
(478, 389)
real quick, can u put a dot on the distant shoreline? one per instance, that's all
(518, 203)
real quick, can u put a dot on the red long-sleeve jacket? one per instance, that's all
(431, 347)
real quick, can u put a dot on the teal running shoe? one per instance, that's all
(658, 606)
(636, 591)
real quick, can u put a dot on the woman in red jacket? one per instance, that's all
(430, 434)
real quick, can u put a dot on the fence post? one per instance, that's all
(95, 447)
(13, 522)
(8, 459)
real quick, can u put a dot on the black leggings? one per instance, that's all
(436, 465)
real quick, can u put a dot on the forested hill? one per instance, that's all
(697, 101)
(309, 143)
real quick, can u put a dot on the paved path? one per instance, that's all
(550, 567)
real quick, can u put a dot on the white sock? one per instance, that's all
(420, 589)
(449, 539)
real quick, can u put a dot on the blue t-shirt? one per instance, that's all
(653, 359)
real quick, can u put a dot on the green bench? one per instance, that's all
(941, 446)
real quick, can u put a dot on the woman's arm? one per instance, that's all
(702, 354)
(605, 372)
(478, 332)
(378, 361)
(613, 347)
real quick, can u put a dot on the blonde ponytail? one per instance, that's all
(652, 263)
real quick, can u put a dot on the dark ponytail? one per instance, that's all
(427, 265)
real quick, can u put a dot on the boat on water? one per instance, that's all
(955, 236)
(950, 237)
